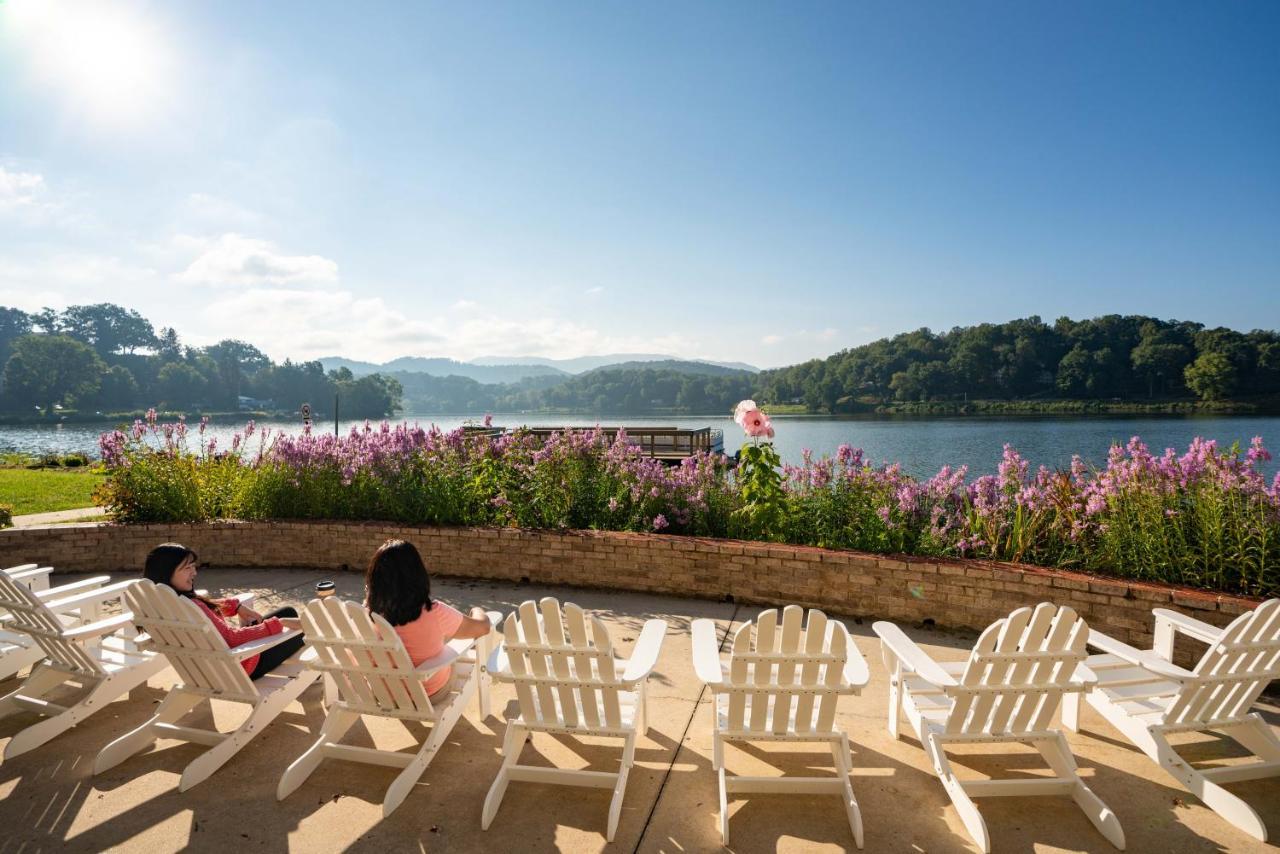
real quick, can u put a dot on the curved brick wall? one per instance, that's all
(951, 593)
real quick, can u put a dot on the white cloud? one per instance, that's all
(236, 260)
(771, 340)
(465, 305)
(591, 292)
(20, 191)
(68, 277)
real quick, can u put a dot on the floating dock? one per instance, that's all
(669, 444)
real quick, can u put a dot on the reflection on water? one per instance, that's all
(922, 445)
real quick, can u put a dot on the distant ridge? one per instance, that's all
(495, 369)
(582, 364)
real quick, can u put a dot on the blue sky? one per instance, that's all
(756, 182)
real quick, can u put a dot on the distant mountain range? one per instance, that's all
(495, 370)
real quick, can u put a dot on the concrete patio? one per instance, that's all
(51, 801)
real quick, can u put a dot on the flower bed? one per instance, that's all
(1205, 518)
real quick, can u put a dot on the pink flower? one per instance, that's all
(756, 424)
(742, 409)
(659, 522)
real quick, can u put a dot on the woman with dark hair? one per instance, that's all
(398, 588)
(174, 566)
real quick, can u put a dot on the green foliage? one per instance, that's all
(6, 515)
(45, 369)
(1211, 376)
(763, 513)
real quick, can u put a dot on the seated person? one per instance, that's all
(398, 588)
(174, 566)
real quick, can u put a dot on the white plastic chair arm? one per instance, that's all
(23, 567)
(101, 594)
(645, 655)
(1189, 626)
(706, 653)
(74, 587)
(498, 667)
(452, 650)
(99, 627)
(1148, 661)
(911, 656)
(855, 666)
(257, 645)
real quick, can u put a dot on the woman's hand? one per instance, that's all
(290, 623)
(248, 616)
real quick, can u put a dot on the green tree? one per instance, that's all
(179, 386)
(107, 328)
(14, 323)
(1212, 376)
(118, 390)
(46, 369)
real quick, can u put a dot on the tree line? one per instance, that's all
(1112, 357)
(104, 358)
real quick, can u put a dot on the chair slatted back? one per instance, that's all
(1018, 672)
(1234, 671)
(29, 615)
(795, 671)
(365, 657)
(39, 581)
(188, 639)
(563, 666)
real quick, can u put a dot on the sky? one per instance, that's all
(757, 182)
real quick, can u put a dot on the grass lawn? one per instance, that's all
(44, 490)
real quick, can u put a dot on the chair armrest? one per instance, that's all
(497, 666)
(99, 627)
(257, 645)
(645, 655)
(452, 650)
(1189, 626)
(74, 587)
(855, 666)
(245, 599)
(1148, 661)
(101, 594)
(23, 567)
(34, 577)
(706, 653)
(895, 641)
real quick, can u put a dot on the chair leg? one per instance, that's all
(1071, 711)
(512, 744)
(843, 761)
(41, 681)
(408, 778)
(51, 727)
(724, 808)
(262, 715)
(1058, 754)
(620, 786)
(177, 704)
(1218, 799)
(895, 699)
(964, 804)
(1256, 736)
(334, 728)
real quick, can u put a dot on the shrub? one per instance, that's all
(6, 515)
(1204, 518)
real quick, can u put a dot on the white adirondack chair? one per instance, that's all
(568, 681)
(96, 656)
(783, 686)
(18, 649)
(1007, 691)
(1148, 698)
(368, 672)
(181, 633)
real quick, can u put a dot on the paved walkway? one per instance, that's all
(49, 799)
(30, 520)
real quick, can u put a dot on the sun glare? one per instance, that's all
(110, 63)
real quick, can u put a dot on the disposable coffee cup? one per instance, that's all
(325, 589)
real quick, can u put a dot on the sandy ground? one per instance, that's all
(52, 802)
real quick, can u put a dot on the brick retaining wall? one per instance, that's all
(950, 593)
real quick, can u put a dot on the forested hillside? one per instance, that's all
(1125, 357)
(108, 359)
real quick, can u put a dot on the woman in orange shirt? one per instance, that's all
(398, 588)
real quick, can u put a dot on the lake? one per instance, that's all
(922, 445)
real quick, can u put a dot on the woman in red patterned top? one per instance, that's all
(174, 566)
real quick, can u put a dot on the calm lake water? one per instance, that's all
(922, 445)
